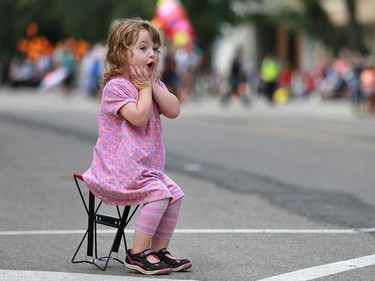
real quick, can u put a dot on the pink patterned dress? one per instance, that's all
(128, 161)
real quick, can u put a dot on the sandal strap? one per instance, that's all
(165, 251)
(147, 253)
(175, 263)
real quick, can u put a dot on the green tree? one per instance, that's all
(90, 19)
(7, 34)
(207, 16)
(81, 19)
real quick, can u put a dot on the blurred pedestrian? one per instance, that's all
(282, 94)
(296, 84)
(368, 86)
(129, 156)
(169, 72)
(238, 80)
(187, 65)
(353, 79)
(63, 70)
(270, 71)
(309, 85)
(67, 61)
(96, 71)
(285, 79)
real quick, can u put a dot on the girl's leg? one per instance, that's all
(147, 222)
(141, 258)
(163, 235)
(167, 226)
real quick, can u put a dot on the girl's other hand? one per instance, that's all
(154, 70)
(139, 77)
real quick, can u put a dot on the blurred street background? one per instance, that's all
(274, 148)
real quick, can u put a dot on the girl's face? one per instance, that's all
(145, 53)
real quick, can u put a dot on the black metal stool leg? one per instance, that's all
(120, 230)
(90, 226)
(95, 218)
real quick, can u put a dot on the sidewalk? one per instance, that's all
(259, 107)
(31, 99)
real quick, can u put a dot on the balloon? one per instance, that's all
(180, 39)
(281, 95)
(173, 20)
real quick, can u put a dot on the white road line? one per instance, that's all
(203, 231)
(15, 275)
(324, 270)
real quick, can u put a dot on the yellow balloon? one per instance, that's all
(180, 39)
(281, 95)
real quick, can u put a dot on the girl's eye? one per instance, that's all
(142, 48)
(156, 49)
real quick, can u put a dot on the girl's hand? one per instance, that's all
(139, 77)
(154, 70)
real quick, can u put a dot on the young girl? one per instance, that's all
(129, 156)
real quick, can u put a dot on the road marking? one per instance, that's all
(15, 275)
(192, 167)
(324, 270)
(299, 275)
(203, 231)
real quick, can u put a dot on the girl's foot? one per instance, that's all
(140, 263)
(175, 264)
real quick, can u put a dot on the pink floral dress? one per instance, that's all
(128, 161)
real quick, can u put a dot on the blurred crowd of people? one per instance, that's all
(178, 69)
(61, 69)
(349, 76)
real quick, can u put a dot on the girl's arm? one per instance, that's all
(139, 113)
(168, 103)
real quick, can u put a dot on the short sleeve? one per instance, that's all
(117, 93)
(161, 84)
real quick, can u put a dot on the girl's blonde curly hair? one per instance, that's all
(123, 33)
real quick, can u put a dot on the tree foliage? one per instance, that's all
(82, 19)
(90, 19)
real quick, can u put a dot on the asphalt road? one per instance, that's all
(270, 191)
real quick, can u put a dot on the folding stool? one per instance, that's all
(94, 218)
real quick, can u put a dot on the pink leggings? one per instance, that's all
(158, 218)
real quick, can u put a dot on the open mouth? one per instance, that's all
(151, 64)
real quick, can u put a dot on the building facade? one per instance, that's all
(299, 50)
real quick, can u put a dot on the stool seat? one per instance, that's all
(94, 217)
